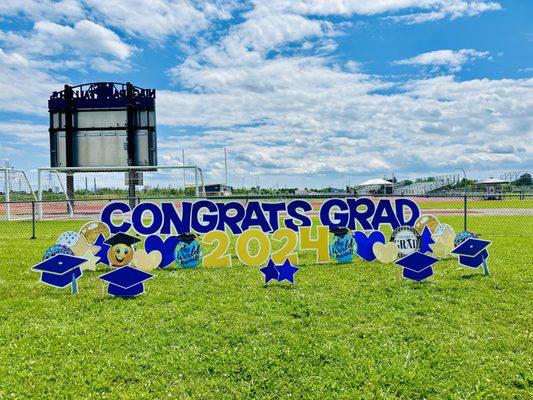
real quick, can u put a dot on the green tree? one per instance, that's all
(524, 180)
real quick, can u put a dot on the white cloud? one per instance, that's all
(13, 59)
(445, 58)
(425, 9)
(296, 121)
(24, 87)
(83, 38)
(448, 9)
(23, 140)
(85, 45)
(158, 19)
(38, 10)
(23, 132)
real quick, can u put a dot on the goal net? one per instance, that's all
(15, 189)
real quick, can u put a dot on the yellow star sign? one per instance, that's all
(82, 247)
(91, 262)
(443, 243)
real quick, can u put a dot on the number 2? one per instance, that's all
(218, 257)
(289, 247)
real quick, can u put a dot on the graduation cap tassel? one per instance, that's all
(74, 286)
(485, 267)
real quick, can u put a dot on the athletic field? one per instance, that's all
(345, 331)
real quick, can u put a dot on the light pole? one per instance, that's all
(465, 199)
(225, 167)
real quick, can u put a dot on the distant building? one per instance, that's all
(218, 189)
(334, 190)
(375, 186)
(493, 188)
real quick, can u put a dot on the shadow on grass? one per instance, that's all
(279, 286)
(473, 276)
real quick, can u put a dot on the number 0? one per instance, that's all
(242, 246)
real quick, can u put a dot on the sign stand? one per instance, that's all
(398, 275)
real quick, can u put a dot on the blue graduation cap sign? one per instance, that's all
(126, 281)
(60, 270)
(473, 253)
(417, 266)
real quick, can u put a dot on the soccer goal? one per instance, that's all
(73, 192)
(14, 187)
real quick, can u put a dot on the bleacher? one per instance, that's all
(425, 187)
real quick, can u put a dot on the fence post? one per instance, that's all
(33, 220)
(465, 211)
(196, 191)
(6, 192)
(40, 194)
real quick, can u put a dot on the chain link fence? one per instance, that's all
(508, 216)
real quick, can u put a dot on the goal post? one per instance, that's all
(14, 187)
(91, 183)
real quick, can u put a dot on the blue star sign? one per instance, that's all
(270, 272)
(60, 270)
(126, 281)
(286, 271)
(279, 273)
(473, 253)
(417, 266)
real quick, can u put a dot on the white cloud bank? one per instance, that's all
(296, 115)
(269, 92)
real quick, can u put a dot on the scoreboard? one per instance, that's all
(102, 124)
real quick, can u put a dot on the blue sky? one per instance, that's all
(302, 93)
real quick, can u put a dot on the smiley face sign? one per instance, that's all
(122, 249)
(120, 255)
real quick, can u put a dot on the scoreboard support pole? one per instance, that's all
(69, 142)
(131, 128)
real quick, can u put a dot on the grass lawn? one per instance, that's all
(474, 204)
(341, 331)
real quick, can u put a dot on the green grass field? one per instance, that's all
(475, 204)
(341, 331)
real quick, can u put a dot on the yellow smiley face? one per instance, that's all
(120, 255)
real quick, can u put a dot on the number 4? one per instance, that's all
(320, 245)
